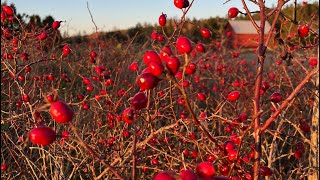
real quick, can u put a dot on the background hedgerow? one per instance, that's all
(200, 118)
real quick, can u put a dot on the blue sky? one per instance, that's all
(121, 14)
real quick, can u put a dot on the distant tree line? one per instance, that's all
(215, 24)
(29, 22)
(142, 32)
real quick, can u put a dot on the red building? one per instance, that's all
(243, 33)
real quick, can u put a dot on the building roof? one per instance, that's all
(246, 27)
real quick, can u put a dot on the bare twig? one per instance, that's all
(134, 177)
(250, 16)
(286, 102)
(92, 17)
(85, 146)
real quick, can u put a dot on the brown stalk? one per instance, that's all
(249, 15)
(134, 177)
(287, 101)
(194, 117)
(261, 55)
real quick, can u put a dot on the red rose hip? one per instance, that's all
(8, 10)
(303, 30)
(66, 50)
(205, 169)
(42, 135)
(165, 175)
(233, 12)
(234, 95)
(55, 25)
(276, 97)
(139, 101)
(188, 175)
(128, 115)
(173, 64)
(156, 68)
(61, 112)
(181, 3)
(162, 19)
(147, 81)
(183, 45)
(206, 33)
(151, 55)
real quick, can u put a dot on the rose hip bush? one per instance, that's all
(174, 109)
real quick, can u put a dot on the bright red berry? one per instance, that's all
(162, 19)
(188, 175)
(235, 138)
(146, 70)
(3, 16)
(271, 75)
(128, 115)
(297, 154)
(173, 64)
(191, 68)
(234, 95)
(151, 55)
(86, 80)
(42, 36)
(200, 48)
(27, 69)
(133, 66)
(154, 35)
(156, 68)
(233, 12)
(206, 33)
(183, 44)
(303, 30)
(147, 81)
(194, 154)
(66, 50)
(139, 101)
(313, 62)
(89, 87)
(65, 135)
(61, 112)
(4, 167)
(8, 10)
(264, 85)
(154, 161)
(232, 154)
(160, 37)
(165, 175)
(26, 98)
(181, 3)
(55, 25)
(229, 145)
(165, 53)
(42, 135)
(201, 96)
(224, 169)
(276, 97)
(205, 169)
(93, 54)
